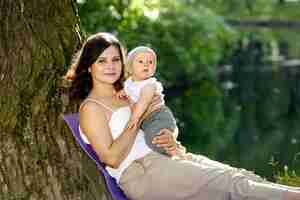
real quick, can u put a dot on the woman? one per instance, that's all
(97, 75)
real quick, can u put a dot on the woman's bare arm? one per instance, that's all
(95, 126)
(147, 94)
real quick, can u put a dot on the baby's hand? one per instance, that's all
(122, 95)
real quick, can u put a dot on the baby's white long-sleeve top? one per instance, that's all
(133, 88)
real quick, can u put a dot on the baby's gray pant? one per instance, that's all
(154, 123)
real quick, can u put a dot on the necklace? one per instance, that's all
(111, 101)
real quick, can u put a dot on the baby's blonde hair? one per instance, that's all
(134, 52)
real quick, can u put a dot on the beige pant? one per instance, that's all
(158, 177)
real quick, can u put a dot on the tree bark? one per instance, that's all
(39, 158)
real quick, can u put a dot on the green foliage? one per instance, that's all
(284, 175)
(206, 128)
(99, 15)
(255, 9)
(288, 178)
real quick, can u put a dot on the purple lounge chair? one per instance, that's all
(116, 192)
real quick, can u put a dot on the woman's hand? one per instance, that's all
(166, 140)
(155, 105)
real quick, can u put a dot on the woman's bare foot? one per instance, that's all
(291, 195)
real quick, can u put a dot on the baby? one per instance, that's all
(140, 87)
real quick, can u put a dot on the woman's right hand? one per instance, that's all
(155, 105)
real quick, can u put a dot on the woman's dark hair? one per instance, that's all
(78, 72)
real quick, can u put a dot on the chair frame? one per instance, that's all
(113, 188)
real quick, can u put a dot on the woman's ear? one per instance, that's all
(127, 72)
(128, 69)
(89, 69)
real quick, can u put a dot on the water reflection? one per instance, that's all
(264, 88)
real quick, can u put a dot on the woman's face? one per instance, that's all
(143, 66)
(108, 67)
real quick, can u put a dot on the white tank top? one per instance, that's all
(117, 123)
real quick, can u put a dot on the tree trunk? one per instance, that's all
(39, 158)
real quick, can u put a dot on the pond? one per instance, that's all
(263, 87)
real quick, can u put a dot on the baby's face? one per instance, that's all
(143, 66)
